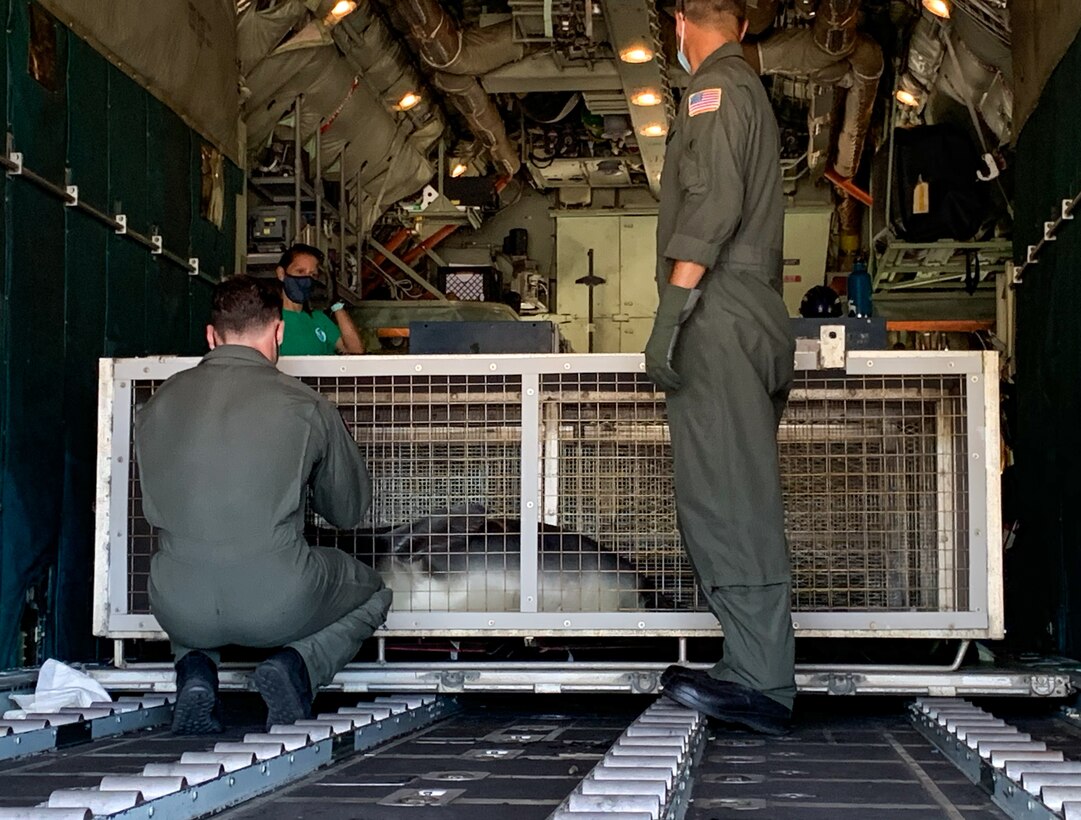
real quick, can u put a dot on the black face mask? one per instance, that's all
(298, 288)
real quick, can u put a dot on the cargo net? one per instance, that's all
(873, 471)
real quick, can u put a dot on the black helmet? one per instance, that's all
(820, 302)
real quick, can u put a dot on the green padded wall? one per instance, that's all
(73, 292)
(1045, 567)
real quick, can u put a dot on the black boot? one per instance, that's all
(679, 673)
(726, 702)
(283, 681)
(197, 711)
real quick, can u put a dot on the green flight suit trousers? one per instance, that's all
(736, 358)
(320, 601)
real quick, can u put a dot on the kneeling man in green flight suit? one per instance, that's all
(722, 349)
(228, 454)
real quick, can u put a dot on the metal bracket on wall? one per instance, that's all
(1050, 234)
(13, 165)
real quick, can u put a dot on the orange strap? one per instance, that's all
(943, 326)
(849, 187)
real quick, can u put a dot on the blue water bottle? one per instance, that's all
(859, 291)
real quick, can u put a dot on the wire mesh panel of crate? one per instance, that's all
(444, 453)
(448, 445)
(607, 478)
(874, 494)
(142, 538)
(874, 471)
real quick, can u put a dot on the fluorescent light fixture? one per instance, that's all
(458, 169)
(939, 8)
(410, 99)
(646, 97)
(906, 97)
(654, 129)
(342, 9)
(636, 54)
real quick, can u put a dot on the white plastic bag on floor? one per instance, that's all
(58, 686)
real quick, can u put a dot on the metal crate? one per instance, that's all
(890, 471)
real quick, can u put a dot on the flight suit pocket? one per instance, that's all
(692, 178)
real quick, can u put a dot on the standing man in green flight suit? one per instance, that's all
(230, 453)
(308, 332)
(722, 349)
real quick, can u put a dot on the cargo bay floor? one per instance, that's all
(847, 758)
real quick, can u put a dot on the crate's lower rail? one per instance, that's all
(634, 678)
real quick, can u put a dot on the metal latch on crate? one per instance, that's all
(827, 352)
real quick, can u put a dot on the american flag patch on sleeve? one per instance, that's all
(704, 101)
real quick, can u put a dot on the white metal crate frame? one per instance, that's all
(981, 618)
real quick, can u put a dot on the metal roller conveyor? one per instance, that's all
(1024, 777)
(204, 783)
(193, 773)
(635, 780)
(38, 732)
(517, 754)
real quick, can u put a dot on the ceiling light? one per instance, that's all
(646, 96)
(939, 8)
(909, 93)
(654, 129)
(458, 169)
(636, 54)
(343, 8)
(409, 100)
(906, 97)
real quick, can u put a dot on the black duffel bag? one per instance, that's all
(936, 193)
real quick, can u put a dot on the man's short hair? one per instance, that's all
(296, 250)
(243, 304)
(711, 13)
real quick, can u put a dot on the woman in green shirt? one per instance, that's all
(307, 332)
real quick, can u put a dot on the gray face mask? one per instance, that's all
(298, 288)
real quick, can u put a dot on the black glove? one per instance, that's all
(676, 306)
